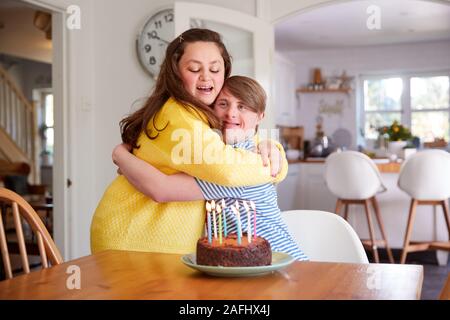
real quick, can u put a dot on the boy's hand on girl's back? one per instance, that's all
(117, 153)
(270, 155)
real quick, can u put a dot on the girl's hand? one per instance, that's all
(117, 153)
(270, 155)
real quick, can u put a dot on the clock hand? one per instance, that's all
(157, 37)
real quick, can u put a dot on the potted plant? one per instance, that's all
(398, 135)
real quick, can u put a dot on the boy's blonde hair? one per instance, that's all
(248, 91)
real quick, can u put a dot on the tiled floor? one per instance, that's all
(434, 275)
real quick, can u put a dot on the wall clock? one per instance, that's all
(155, 36)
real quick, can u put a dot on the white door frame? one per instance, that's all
(61, 195)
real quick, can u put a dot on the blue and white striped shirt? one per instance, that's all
(269, 223)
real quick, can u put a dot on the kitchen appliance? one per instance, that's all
(322, 145)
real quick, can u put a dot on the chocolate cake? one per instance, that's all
(230, 254)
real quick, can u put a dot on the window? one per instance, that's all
(44, 100)
(430, 107)
(48, 139)
(382, 103)
(421, 102)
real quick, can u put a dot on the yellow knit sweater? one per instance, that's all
(125, 219)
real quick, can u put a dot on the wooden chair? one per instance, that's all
(47, 248)
(445, 293)
(354, 179)
(425, 177)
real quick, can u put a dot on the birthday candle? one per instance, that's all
(208, 210)
(213, 208)
(252, 204)
(249, 231)
(224, 218)
(239, 217)
(238, 223)
(219, 212)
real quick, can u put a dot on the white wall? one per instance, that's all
(420, 57)
(284, 85)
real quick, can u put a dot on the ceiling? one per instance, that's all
(344, 25)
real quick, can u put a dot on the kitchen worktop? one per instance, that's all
(383, 164)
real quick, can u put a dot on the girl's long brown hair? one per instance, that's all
(169, 84)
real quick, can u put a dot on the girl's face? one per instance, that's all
(202, 70)
(239, 120)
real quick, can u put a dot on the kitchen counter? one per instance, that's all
(383, 164)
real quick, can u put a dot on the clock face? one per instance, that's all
(153, 40)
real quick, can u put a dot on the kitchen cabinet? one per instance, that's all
(313, 192)
(288, 189)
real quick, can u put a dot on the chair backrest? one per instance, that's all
(21, 208)
(445, 293)
(325, 236)
(352, 175)
(426, 175)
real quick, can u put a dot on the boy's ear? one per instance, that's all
(261, 116)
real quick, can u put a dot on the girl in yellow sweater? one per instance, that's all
(172, 131)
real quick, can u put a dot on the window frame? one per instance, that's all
(39, 96)
(406, 110)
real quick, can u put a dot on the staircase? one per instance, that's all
(18, 129)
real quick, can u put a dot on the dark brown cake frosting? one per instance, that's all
(230, 254)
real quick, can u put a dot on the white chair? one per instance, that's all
(425, 177)
(354, 179)
(325, 236)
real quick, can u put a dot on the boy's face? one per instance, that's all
(239, 121)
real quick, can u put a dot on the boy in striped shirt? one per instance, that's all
(240, 106)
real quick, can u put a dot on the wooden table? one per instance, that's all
(138, 275)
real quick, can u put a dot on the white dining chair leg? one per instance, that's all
(409, 227)
(381, 226)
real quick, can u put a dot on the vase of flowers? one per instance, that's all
(398, 136)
